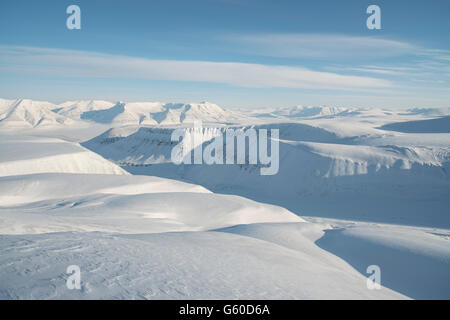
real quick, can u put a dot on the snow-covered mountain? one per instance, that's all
(113, 114)
(75, 109)
(432, 112)
(189, 113)
(304, 112)
(328, 112)
(147, 113)
(26, 113)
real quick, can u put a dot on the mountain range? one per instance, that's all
(26, 113)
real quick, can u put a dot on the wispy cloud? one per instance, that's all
(428, 70)
(75, 63)
(376, 70)
(319, 45)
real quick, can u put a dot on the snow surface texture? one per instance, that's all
(70, 195)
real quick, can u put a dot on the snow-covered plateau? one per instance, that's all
(92, 184)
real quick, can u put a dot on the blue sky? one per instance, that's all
(237, 53)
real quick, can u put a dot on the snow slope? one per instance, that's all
(197, 265)
(27, 155)
(22, 189)
(406, 256)
(438, 125)
(122, 204)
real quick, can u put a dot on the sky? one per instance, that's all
(236, 53)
